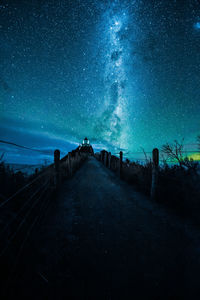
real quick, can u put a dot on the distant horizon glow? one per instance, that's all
(197, 25)
(194, 156)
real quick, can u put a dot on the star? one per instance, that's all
(197, 25)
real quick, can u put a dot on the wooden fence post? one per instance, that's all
(57, 166)
(70, 163)
(120, 163)
(76, 160)
(36, 171)
(101, 156)
(105, 158)
(109, 159)
(154, 183)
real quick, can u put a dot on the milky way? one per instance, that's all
(111, 125)
(124, 73)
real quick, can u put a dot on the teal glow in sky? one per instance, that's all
(123, 73)
(197, 25)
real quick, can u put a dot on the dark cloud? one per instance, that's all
(4, 85)
(114, 93)
(147, 48)
(116, 55)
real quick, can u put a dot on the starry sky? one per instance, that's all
(124, 73)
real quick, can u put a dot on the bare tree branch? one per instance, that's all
(174, 151)
(198, 141)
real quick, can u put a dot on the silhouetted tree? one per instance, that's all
(147, 160)
(174, 151)
(198, 141)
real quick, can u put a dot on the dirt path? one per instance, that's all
(103, 240)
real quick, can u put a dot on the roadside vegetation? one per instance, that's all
(178, 185)
(10, 180)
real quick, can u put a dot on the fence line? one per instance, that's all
(21, 190)
(36, 195)
(19, 252)
(21, 223)
(21, 209)
(127, 167)
(23, 244)
(22, 147)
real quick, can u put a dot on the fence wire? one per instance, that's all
(22, 222)
(23, 188)
(22, 208)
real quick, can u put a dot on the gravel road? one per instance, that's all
(101, 239)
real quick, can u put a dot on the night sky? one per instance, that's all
(124, 73)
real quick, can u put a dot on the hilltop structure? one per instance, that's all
(86, 147)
